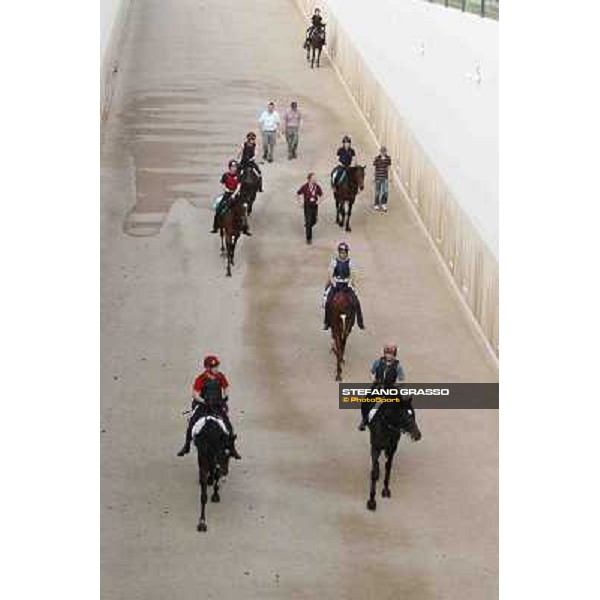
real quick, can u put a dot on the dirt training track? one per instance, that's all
(292, 522)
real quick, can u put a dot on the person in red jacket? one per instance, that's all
(210, 394)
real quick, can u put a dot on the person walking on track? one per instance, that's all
(310, 195)
(382, 165)
(269, 125)
(292, 119)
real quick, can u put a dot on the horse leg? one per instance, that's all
(229, 255)
(215, 495)
(371, 502)
(339, 353)
(203, 499)
(342, 213)
(319, 56)
(312, 58)
(350, 203)
(233, 245)
(222, 242)
(388, 469)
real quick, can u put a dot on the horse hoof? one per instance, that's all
(215, 498)
(209, 480)
(338, 377)
(371, 504)
(385, 493)
(348, 228)
(228, 273)
(202, 526)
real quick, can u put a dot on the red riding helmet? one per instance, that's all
(390, 349)
(211, 361)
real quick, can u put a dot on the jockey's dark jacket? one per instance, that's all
(248, 152)
(342, 269)
(387, 374)
(212, 391)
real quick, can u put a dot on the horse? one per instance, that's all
(211, 441)
(343, 316)
(314, 45)
(230, 228)
(391, 420)
(346, 192)
(250, 181)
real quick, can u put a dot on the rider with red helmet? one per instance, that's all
(210, 394)
(341, 277)
(386, 371)
(230, 181)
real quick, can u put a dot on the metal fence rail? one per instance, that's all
(485, 8)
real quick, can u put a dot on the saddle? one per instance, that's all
(224, 204)
(202, 421)
(338, 176)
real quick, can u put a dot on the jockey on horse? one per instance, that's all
(210, 396)
(246, 156)
(341, 279)
(346, 158)
(230, 181)
(386, 371)
(316, 23)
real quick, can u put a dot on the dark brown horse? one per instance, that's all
(211, 442)
(249, 187)
(343, 316)
(230, 228)
(314, 45)
(389, 422)
(345, 193)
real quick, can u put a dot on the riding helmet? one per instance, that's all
(233, 163)
(346, 138)
(251, 136)
(211, 361)
(343, 246)
(390, 349)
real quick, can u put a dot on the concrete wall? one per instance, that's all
(426, 80)
(114, 16)
(109, 10)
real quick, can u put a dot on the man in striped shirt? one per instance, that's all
(382, 165)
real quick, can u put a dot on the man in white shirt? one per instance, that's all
(269, 123)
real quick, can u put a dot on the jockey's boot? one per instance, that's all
(184, 450)
(245, 228)
(232, 449)
(359, 317)
(215, 227)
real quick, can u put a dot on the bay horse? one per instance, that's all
(211, 441)
(249, 187)
(314, 45)
(391, 420)
(230, 228)
(343, 317)
(345, 194)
